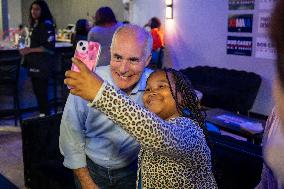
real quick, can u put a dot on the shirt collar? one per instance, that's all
(141, 85)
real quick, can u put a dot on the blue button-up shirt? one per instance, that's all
(86, 131)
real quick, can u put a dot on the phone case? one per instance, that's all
(88, 53)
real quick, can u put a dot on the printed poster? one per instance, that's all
(267, 4)
(239, 45)
(264, 22)
(264, 48)
(240, 23)
(241, 4)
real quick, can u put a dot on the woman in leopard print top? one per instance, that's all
(174, 153)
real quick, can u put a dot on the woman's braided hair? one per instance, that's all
(188, 105)
(186, 99)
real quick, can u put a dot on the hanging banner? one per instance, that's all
(240, 23)
(263, 22)
(264, 48)
(241, 4)
(239, 45)
(267, 4)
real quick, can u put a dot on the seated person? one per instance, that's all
(174, 152)
(81, 32)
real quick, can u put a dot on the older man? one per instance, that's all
(101, 154)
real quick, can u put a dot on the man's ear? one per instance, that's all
(148, 60)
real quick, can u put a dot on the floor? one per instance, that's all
(11, 161)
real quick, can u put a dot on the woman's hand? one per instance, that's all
(85, 83)
(25, 51)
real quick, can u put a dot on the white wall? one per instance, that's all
(142, 10)
(197, 36)
(14, 13)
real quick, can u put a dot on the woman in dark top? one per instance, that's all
(81, 31)
(38, 56)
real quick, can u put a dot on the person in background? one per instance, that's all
(273, 143)
(102, 32)
(39, 56)
(158, 44)
(82, 29)
(100, 153)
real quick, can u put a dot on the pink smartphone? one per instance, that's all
(88, 53)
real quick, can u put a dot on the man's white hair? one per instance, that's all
(140, 33)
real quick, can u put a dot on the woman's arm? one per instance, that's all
(180, 137)
(47, 37)
(85, 178)
(28, 50)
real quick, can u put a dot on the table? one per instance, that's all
(60, 47)
(240, 125)
(63, 40)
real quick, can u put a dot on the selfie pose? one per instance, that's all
(174, 153)
(98, 151)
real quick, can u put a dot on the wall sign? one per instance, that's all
(264, 48)
(263, 22)
(240, 23)
(241, 4)
(239, 45)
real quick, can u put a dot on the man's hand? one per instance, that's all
(85, 83)
(85, 179)
(25, 51)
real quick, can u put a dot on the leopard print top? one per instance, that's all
(173, 154)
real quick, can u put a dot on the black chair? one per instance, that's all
(60, 90)
(228, 89)
(9, 80)
(66, 64)
(43, 163)
(238, 163)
